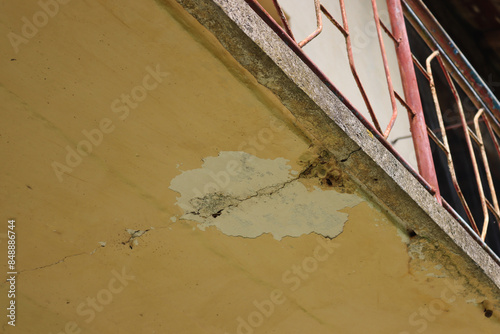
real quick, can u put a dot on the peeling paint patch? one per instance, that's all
(290, 211)
(134, 234)
(415, 250)
(404, 236)
(243, 195)
(231, 175)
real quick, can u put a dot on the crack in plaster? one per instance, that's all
(52, 264)
(134, 234)
(266, 191)
(261, 196)
(349, 155)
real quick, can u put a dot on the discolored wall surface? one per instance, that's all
(116, 116)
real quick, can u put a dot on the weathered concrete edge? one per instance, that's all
(328, 120)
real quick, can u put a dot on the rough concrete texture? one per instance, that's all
(327, 120)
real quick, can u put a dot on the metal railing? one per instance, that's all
(344, 29)
(426, 175)
(455, 68)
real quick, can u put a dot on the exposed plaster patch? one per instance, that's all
(101, 243)
(290, 211)
(415, 250)
(134, 234)
(242, 195)
(230, 175)
(436, 275)
(403, 235)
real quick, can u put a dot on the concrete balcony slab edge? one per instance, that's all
(323, 116)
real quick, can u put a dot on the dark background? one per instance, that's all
(474, 26)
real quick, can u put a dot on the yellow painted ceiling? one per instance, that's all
(102, 108)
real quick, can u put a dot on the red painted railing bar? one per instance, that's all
(319, 23)
(300, 53)
(472, 155)
(495, 209)
(459, 67)
(419, 66)
(389, 33)
(412, 95)
(386, 69)
(436, 140)
(473, 135)
(283, 19)
(353, 68)
(449, 158)
(332, 19)
(403, 102)
(455, 126)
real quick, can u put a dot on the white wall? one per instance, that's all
(328, 51)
